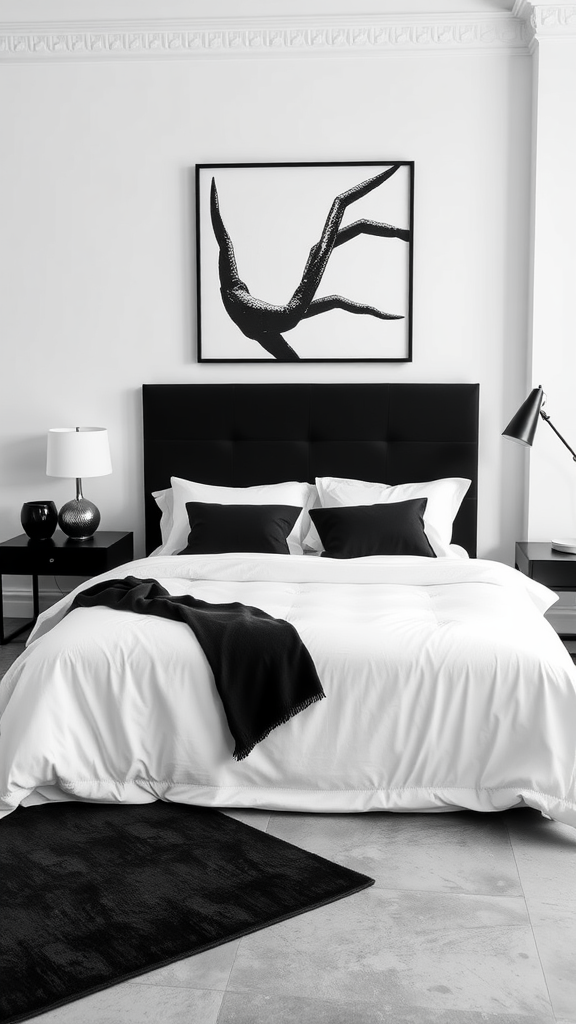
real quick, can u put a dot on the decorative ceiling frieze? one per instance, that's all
(266, 37)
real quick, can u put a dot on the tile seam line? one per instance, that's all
(529, 916)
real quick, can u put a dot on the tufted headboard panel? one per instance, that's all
(243, 434)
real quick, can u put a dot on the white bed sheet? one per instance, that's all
(446, 689)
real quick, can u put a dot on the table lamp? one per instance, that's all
(522, 428)
(78, 452)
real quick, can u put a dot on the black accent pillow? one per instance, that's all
(217, 528)
(355, 531)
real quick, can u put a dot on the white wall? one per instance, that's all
(97, 239)
(552, 490)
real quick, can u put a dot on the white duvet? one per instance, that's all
(446, 688)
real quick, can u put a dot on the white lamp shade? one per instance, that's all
(78, 452)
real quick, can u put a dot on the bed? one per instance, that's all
(445, 687)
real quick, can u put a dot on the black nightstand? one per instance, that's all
(554, 569)
(60, 556)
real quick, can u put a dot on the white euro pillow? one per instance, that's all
(174, 523)
(444, 499)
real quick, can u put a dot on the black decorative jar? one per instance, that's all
(39, 519)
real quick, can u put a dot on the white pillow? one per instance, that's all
(175, 527)
(444, 500)
(164, 501)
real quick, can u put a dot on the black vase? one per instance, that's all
(39, 519)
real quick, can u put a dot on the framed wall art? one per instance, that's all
(305, 262)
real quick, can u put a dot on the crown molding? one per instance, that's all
(264, 37)
(546, 20)
(559, 20)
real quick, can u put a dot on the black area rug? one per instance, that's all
(94, 894)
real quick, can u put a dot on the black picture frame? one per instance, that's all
(305, 262)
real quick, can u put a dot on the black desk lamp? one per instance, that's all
(522, 428)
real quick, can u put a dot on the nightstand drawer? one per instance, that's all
(555, 576)
(64, 557)
(36, 559)
(46, 561)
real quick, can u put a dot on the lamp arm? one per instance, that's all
(557, 432)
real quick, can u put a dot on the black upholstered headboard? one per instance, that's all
(243, 434)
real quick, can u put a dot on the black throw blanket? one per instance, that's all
(263, 672)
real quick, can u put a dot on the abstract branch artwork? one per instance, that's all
(304, 262)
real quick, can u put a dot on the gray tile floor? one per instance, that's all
(472, 919)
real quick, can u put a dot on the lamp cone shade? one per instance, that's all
(522, 426)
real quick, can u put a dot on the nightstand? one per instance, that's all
(554, 569)
(60, 556)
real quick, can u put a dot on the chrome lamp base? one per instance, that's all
(79, 519)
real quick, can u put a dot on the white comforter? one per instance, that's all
(446, 688)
